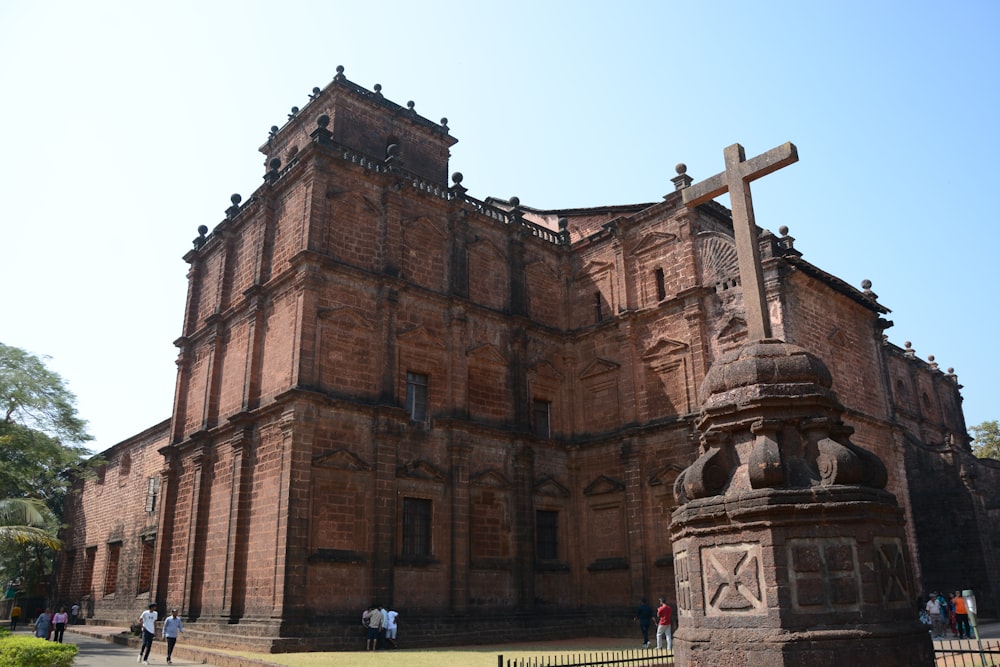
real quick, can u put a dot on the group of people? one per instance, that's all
(663, 616)
(172, 627)
(380, 626)
(943, 613)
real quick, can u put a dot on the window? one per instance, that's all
(546, 535)
(540, 418)
(152, 492)
(598, 307)
(416, 527)
(146, 563)
(416, 396)
(111, 571)
(661, 287)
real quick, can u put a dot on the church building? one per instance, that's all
(471, 411)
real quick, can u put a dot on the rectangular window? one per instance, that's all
(146, 563)
(152, 491)
(546, 535)
(661, 286)
(416, 527)
(540, 417)
(111, 571)
(89, 561)
(598, 307)
(416, 396)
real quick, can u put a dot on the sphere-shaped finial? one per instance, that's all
(951, 371)
(316, 90)
(236, 199)
(340, 69)
(295, 109)
(410, 105)
(908, 345)
(392, 150)
(274, 129)
(783, 230)
(322, 121)
(930, 357)
(202, 230)
(274, 164)
(515, 201)
(866, 284)
(378, 87)
(457, 177)
(681, 168)
(563, 224)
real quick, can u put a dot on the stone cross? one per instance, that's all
(736, 180)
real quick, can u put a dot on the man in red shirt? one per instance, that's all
(663, 613)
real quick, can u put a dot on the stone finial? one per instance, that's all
(909, 351)
(457, 188)
(444, 124)
(681, 180)
(564, 230)
(340, 73)
(234, 210)
(786, 243)
(931, 362)
(378, 89)
(201, 240)
(321, 133)
(273, 166)
(294, 112)
(315, 92)
(866, 286)
(410, 105)
(273, 132)
(951, 375)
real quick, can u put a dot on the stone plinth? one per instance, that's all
(795, 577)
(787, 549)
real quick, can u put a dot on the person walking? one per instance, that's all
(59, 620)
(172, 627)
(43, 624)
(644, 614)
(15, 616)
(663, 629)
(148, 621)
(74, 614)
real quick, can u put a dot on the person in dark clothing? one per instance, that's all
(644, 614)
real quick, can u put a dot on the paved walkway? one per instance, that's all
(102, 646)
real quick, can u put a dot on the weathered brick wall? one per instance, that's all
(107, 516)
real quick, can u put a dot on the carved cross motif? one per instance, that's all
(736, 180)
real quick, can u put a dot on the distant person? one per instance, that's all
(644, 614)
(59, 620)
(74, 614)
(172, 627)
(934, 611)
(390, 628)
(374, 625)
(15, 616)
(663, 630)
(43, 624)
(962, 617)
(148, 621)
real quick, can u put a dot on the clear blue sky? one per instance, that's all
(128, 124)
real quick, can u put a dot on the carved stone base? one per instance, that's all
(810, 577)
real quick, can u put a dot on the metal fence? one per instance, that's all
(967, 653)
(627, 658)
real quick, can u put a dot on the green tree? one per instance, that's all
(986, 440)
(41, 440)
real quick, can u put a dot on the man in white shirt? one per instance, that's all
(148, 621)
(390, 628)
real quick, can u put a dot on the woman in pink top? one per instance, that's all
(59, 620)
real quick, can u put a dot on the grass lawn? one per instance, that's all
(470, 656)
